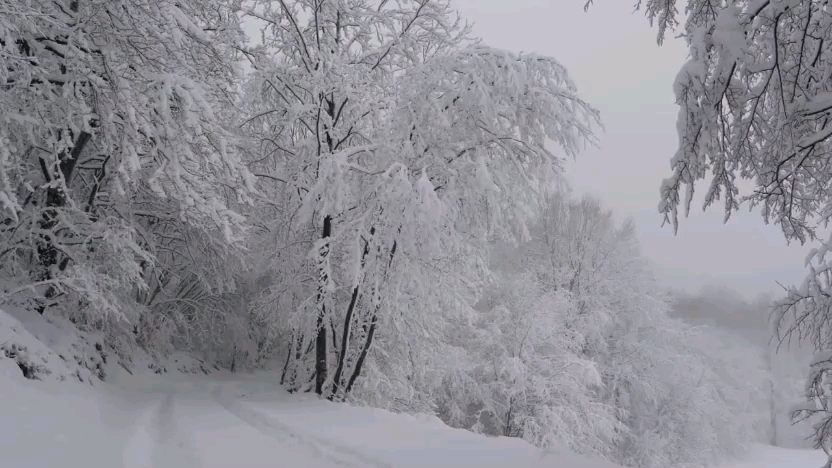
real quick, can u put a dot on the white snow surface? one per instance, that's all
(765, 456)
(174, 419)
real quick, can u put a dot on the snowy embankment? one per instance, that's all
(68, 417)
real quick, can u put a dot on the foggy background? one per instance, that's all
(613, 57)
(723, 275)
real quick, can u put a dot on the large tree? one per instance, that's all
(395, 144)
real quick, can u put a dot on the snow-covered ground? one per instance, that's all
(764, 456)
(145, 419)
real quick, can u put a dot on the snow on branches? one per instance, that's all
(414, 143)
(114, 143)
(755, 104)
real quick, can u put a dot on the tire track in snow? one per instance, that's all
(138, 453)
(170, 449)
(320, 447)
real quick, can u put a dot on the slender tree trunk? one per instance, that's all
(361, 357)
(100, 174)
(320, 338)
(299, 353)
(507, 425)
(345, 338)
(320, 357)
(372, 329)
(47, 253)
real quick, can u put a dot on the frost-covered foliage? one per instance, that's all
(388, 145)
(756, 103)
(739, 320)
(714, 399)
(574, 348)
(118, 178)
(755, 98)
(403, 246)
(532, 379)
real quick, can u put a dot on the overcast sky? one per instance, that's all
(614, 59)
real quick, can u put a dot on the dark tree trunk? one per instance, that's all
(100, 174)
(507, 425)
(290, 373)
(320, 338)
(371, 330)
(56, 198)
(345, 338)
(320, 358)
(361, 357)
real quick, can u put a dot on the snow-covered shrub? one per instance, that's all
(534, 380)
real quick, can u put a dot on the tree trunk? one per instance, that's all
(507, 425)
(372, 329)
(345, 338)
(48, 253)
(286, 364)
(361, 357)
(320, 338)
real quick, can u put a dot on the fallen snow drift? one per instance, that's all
(147, 419)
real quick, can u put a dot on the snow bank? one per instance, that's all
(49, 348)
(53, 423)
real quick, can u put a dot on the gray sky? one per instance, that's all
(613, 57)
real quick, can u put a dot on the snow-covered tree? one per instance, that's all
(729, 313)
(532, 379)
(709, 399)
(393, 144)
(755, 103)
(578, 296)
(118, 177)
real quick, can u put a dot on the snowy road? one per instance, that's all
(199, 427)
(148, 421)
(250, 424)
(231, 424)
